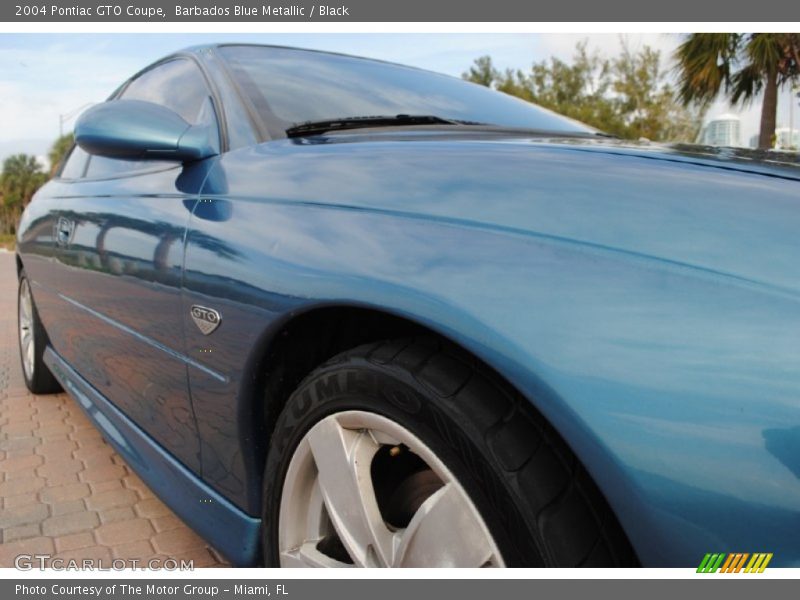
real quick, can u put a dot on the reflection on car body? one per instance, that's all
(375, 316)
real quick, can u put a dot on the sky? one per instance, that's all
(48, 78)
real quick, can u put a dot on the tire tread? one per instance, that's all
(570, 522)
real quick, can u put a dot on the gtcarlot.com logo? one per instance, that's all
(734, 562)
(28, 562)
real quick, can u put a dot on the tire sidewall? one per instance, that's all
(394, 394)
(41, 380)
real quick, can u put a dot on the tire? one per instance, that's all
(536, 504)
(32, 343)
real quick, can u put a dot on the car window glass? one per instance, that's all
(295, 86)
(76, 163)
(239, 126)
(180, 86)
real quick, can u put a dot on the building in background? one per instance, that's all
(787, 139)
(724, 130)
(783, 139)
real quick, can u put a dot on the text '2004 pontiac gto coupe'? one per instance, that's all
(340, 312)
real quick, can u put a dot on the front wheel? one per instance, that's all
(405, 453)
(378, 496)
(32, 343)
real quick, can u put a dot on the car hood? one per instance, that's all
(727, 212)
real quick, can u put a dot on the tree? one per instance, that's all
(647, 103)
(628, 96)
(22, 175)
(59, 150)
(581, 90)
(481, 71)
(741, 66)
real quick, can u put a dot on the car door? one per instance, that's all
(39, 229)
(119, 247)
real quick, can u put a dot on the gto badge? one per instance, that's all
(206, 319)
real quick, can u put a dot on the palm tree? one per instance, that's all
(741, 65)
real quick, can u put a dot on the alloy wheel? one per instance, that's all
(26, 327)
(362, 490)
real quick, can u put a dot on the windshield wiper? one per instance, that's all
(314, 127)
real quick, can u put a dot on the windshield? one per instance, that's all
(297, 86)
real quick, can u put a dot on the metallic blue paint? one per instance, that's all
(639, 301)
(211, 515)
(644, 298)
(134, 129)
(151, 342)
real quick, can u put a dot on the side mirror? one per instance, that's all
(137, 130)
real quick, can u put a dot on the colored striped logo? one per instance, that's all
(735, 562)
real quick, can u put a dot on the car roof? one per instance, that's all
(198, 50)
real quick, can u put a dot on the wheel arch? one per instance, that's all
(294, 347)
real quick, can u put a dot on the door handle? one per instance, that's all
(64, 229)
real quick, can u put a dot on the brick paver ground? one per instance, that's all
(63, 489)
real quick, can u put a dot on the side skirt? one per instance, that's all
(234, 533)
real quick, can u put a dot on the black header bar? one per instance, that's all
(399, 11)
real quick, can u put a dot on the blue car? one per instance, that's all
(341, 312)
